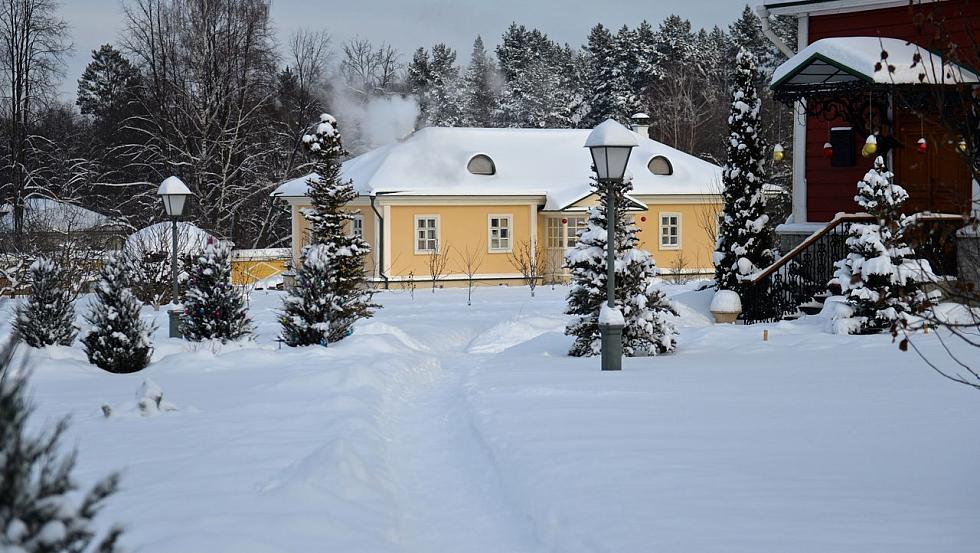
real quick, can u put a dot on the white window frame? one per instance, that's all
(571, 230)
(415, 234)
(660, 230)
(357, 225)
(510, 233)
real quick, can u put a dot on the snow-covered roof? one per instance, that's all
(796, 7)
(529, 162)
(844, 59)
(158, 238)
(46, 214)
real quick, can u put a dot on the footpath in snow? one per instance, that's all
(442, 427)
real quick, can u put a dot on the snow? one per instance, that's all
(173, 185)
(611, 133)
(862, 54)
(530, 162)
(55, 215)
(611, 316)
(726, 301)
(158, 237)
(442, 427)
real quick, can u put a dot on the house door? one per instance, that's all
(937, 180)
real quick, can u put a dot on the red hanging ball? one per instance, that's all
(564, 221)
(922, 146)
(828, 150)
(643, 219)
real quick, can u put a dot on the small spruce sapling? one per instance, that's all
(48, 317)
(214, 308)
(119, 341)
(308, 310)
(40, 509)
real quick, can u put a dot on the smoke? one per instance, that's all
(378, 121)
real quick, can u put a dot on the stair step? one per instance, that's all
(822, 297)
(812, 307)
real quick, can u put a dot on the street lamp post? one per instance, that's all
(173, 192)
(611, 145)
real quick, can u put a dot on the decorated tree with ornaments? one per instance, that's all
(48, 316)
(119, 341)
(214, 308)
(339, 274)
(645, 308)
(41, 509)
(745, 233)
(881, 280)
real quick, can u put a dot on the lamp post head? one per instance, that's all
(611, 145)
(174, 193)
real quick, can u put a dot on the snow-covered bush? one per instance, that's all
(880, 279)
(48, 317)
(149, 249)
(342, 252)
(40, 509)
(214, 309)
(119, 341)
(745, 233)
(645, 308)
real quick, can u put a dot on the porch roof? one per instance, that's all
(832, 62)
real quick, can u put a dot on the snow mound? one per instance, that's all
(380, 329)
(158, 238)
(508, 334)
(694, 307)
(726, 301)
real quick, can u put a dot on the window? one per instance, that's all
(481, 164)
(426, 233)
(842, 140)
(500, 229)
(659, 165)
(357, 226)
(553, 232)
(670, 231)
(575, 225)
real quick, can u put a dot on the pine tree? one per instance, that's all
(108, 84)
(342, 254)
(40, 509)
(744, 235)
(214, 309)
(880, 280)
(479, 94)
(601, 63)
(48, 317)
(648, 70)
(119, 341)
(645, 308)
(419, 81)
(540, 85)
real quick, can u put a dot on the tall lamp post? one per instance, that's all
(173, 192)
(611, 145)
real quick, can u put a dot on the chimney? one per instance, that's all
(641, 124)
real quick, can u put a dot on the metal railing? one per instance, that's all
(805, 271)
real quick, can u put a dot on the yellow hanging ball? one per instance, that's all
(962, 146)
(777, 153)
(870, 146)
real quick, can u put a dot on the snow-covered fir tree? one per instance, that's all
(479, 88)
(342, 252)
(880, 278)
(645, 308)
(647, 70)
(445, 101)
(419, 80)
(41, 510)
(119, 341)
(48, 316)
(308, 310)
(214, 308)
(618, 73)
(601, 63)
(744, 234)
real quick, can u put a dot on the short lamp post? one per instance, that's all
(611, 145)
(173, 192)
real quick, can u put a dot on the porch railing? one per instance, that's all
(805, 272)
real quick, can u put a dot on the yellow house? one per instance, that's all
(490, 194)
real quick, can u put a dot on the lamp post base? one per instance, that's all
(612, 346)
(174, 316)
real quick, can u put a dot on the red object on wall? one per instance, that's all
(564, 221)
(922, 146)
(828, 150)
(831, 189)
(643, 218)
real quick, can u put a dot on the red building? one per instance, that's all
(832, 78)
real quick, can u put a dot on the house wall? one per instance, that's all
(300, 232)
(698, 232)
(831, 189)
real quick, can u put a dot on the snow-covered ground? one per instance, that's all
(442, 427)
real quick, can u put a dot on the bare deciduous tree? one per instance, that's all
(470, 262)
(528, 259)
(438, 260)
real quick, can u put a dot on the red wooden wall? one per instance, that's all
(831, 189)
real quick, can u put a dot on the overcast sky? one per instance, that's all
(408, 24)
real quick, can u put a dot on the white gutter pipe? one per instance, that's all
(763, 12)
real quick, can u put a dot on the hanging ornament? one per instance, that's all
(870, 146)
(564, 221)
(828, 150)
(962, 146)
(921, 145)
(643, 218)
(777, 153)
